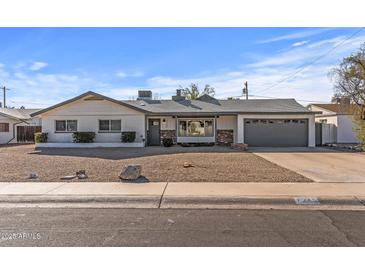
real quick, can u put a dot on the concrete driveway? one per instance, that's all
(318, 164)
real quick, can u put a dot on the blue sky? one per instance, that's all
(43, 66)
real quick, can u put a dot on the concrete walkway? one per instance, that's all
(320, 165)
(184, 195)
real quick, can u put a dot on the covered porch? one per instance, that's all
(205, 129)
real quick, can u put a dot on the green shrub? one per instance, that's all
(83, 137)
(167, 142)
(128, 136)
(40, 137)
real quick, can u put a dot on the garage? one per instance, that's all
(276, 132)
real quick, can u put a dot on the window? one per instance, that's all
(209, 128)
(71, 125)
(110, 125)
(66, 125)
(196, 128)
(182, 128)
(323, 121)
(4, 127)
(104, 125)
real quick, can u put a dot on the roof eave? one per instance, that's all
(84, 95)
(232, 113)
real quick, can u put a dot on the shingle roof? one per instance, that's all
(88, 93)
(204, 105)
(220, 106)
(22, 114)
(337, 108)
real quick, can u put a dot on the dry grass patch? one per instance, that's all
(211, 164)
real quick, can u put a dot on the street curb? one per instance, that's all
(183, 202)
(128, 201)
(258, 202)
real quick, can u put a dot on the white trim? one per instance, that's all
(87, 145)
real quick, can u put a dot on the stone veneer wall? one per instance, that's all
(224, 137)
(171, 133)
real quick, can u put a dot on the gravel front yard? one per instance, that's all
(211, 164)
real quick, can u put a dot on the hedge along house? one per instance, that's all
(17, 126)
(264, 122)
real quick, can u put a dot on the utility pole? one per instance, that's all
(5, 89)
(245, 90)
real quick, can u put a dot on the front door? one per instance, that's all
(154, 132)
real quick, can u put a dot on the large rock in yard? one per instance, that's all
(81, 174)
(130, 172)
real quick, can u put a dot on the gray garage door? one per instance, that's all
(276, 133)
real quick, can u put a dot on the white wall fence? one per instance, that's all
(329, 134)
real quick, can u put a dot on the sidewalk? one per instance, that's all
(185, 195)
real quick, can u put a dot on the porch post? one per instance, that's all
(145, 130)
(176, 128)
(215, 130)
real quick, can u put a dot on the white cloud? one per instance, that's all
(312, 83)
(295, 35)
(35, 66)
(123, 74)
(300, 43)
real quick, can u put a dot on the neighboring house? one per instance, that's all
(277, 122)
(336, 122)
(17, 126)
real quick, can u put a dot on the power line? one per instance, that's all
(270, 97)
(302, 67)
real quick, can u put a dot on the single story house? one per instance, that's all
(16, 125)
(264, 122)
(335, 124)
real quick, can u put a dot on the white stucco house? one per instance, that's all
(16, 125)
(265, 122)
(335, 123)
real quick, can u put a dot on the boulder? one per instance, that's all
(130, 172)
(81, 174)
(187, 164)
(33, 175)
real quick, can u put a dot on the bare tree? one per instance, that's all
(349, 81)
(192, 92)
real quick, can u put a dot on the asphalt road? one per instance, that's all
(178, 227)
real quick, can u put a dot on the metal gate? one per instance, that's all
(276, 132)
(25, 134)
